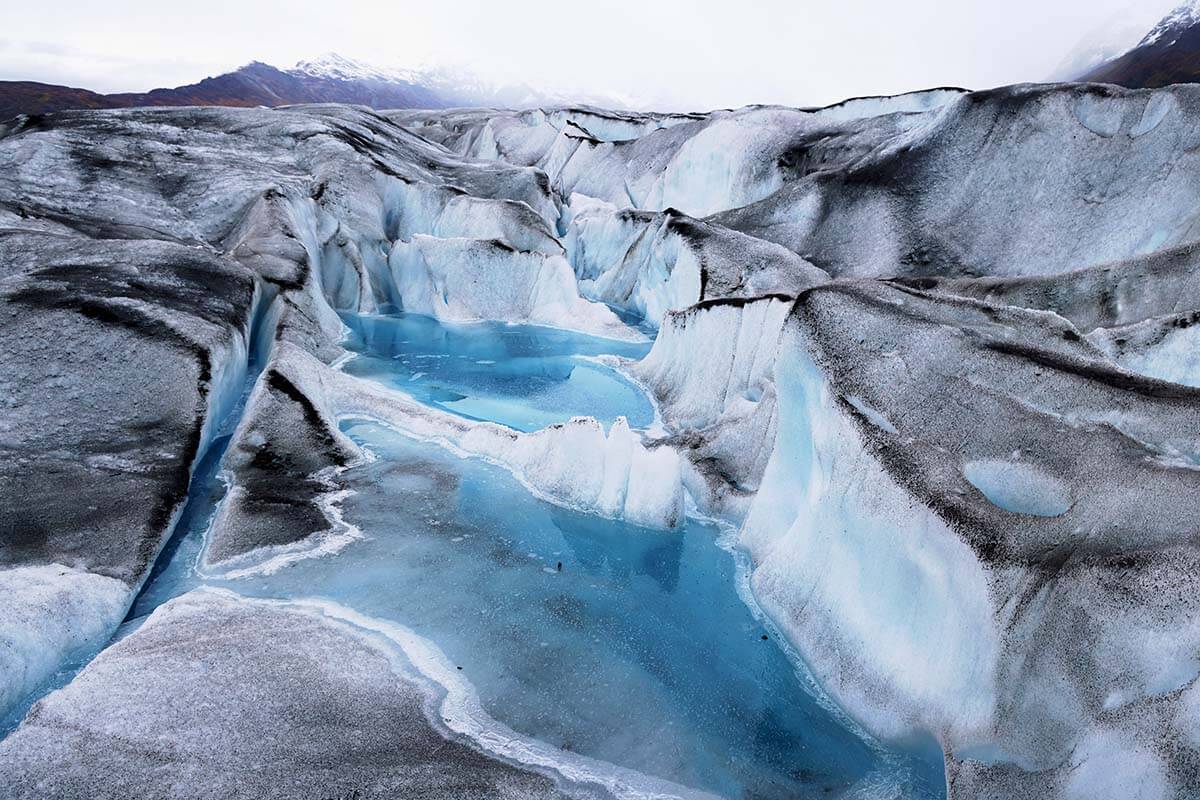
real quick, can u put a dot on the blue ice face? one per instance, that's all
(522, 376)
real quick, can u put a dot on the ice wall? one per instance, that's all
(958, 498)
(472, 279)
(651, 263)
(889, 606)
(712, 372)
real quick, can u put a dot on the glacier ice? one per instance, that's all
(475, 279)
(933, 355)
(52, 614)
(712, 372)
(972, 162)
(577, 463)
(652, 263)
(841, 552)
(375, 696)
(970, 506)
(128, 355)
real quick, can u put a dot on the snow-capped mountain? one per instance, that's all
(458, 86)
(330, 78)
(1111, 38)
(1173, 25)
(332, 66)
(1168, 53)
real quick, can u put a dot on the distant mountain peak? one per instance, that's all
(1168, 53)
(328, 78)
(456, 83)
(335, 66)
(1180, 19)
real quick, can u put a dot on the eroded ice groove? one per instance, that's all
(71, 569)
(59, 651)
(55, 617)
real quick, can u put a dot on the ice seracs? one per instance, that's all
(712, 371)
(652, 263)
(474, 279)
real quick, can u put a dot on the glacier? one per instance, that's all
(307, 408)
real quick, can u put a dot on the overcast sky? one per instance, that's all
(681, 53)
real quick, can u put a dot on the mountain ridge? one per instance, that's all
(1169, 53)
(329, 78)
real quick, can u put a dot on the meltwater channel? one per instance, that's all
(636, 647)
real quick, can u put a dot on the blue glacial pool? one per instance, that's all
(522, 376)
(623, 644)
